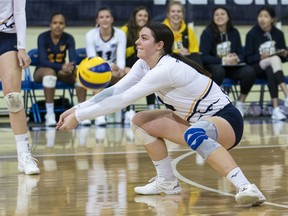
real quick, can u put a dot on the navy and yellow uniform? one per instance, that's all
(54, 55)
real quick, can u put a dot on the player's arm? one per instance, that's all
(121, 50)
(90, 49)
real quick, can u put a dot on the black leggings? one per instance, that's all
(273, 79)
(244, 74)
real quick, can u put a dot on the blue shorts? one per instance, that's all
(231, 114)
(8, 42)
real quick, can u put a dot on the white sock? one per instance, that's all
(22, 143)
(237, 178)
(49, 108)
(151, 107)
(164, 168)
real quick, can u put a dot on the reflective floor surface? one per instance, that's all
(93, 170)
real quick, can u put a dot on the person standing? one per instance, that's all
(222, 54)
(265, 50)
(198, 114)
(13, 58)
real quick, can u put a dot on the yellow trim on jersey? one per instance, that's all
(197, 99)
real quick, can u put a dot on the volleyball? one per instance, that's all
(94, 73)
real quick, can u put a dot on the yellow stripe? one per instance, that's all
(193, 103)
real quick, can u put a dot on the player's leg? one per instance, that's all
(149, 129)
(211, 138)
(47, 76)
(10, 75)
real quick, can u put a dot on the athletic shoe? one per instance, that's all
(27, 164)
(240, 106)
(128, 116)
(50, 120)
(100, 121)
(249, 195)
(277, 114)
(159, 185)
(86, 122)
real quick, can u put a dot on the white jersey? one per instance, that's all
(181, 88)
(13, 19)
(113, 50)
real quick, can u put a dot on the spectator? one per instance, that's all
(185, 41)
(265, 50)
(139, 18)
(108, 42)
(222, 54)
(52, 48)
(13, 58)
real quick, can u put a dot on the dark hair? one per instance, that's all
(104, 9)
(133, 29)
(269, 10)
(56, 14)
(214, 27)
(162, 32)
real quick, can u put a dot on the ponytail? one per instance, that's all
(192, 64)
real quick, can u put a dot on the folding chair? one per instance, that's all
(38, 86)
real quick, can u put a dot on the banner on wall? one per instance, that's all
(82, 12)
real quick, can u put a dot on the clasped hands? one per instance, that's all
(231, 59)
(67, 120)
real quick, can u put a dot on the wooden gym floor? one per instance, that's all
(93, 170)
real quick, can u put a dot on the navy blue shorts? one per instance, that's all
(8, 42)
(231, 114)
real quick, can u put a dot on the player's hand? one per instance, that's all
(68, 67)
(63, 116)
(23, 58)
(68, 123)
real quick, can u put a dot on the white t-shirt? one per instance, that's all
(13, 19)
(180, 87)
(113, 50)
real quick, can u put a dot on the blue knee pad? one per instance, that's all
(194, 137)
(197, 139)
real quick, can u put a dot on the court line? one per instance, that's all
(190, 182)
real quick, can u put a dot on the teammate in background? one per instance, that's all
(222, 54)
(53, 46)
(185, 41)
(108, 42)
(200, 115)
(139, 18)
(13, 58)
(265, 50)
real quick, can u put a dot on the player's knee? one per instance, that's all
(202, 138)
(49, 81)
(14, 102)
(141, 135)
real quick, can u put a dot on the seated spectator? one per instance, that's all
(53, 46)
(222, 54)
(109, 43)
(137, 20)
(185, 41)
(265, 50)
